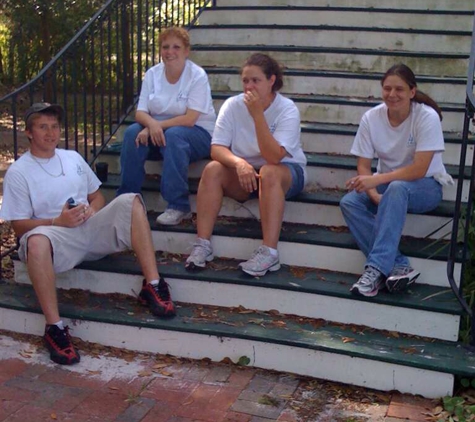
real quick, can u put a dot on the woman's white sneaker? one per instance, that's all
(172, 217)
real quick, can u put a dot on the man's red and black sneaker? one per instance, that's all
(158, 299)
(59, 344)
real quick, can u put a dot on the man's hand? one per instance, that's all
(74, 217)
(247, 176)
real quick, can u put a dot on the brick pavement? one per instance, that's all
(34, 390)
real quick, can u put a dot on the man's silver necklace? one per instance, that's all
(46, 171)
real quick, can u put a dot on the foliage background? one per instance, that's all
(33, 31)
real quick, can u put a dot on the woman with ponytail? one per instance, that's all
(405, 133)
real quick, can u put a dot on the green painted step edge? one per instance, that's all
(440, 356)
(324, 197)
(326, 283)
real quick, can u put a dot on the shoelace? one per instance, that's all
(369, 276)
(60, 337)
(162, 290)
(259, 255)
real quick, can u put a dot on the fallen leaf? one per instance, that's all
(53, 416)
(160, 365)
(25, 355)
(145, 373)
(94, 372)
(113, 388)
(347, 339)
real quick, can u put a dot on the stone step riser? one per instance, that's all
(383, 317)
(334, 61)
(344, 18)
(339, 86)
(319, 364)
(388, 4)
(417, 225)
(337, 113)
(398, 41)
(302, 255)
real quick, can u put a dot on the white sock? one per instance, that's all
(154, 282)
(206, 241)
(273, 252)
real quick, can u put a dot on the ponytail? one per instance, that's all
(423, 98)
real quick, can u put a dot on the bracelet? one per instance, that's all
(52, 221)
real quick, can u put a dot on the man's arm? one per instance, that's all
(68, 218)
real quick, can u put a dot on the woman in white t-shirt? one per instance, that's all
(256, 148)
(175, 116)
(405, 134)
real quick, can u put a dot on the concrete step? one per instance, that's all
(319, 57)
(422, 310)
(335, 37)
(319, 207)
(325, 171)
(362, 356)
(349, 17)
(341, 84)
(302, 245)
(443, 5)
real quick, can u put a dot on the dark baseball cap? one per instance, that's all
(40, 107)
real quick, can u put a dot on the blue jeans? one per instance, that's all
(377, 229)
(184, 145)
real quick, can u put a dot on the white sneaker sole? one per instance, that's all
(275, 267)
(173, 222)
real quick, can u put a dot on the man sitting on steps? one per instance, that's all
(52, 198)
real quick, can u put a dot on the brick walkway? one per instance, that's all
(146, 389)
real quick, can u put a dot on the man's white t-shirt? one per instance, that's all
(29, 192)
(163, 100)
(235, 129)
(395, 146)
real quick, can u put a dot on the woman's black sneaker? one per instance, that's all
(158, 299)
(59, 344)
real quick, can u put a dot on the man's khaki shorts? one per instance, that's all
(106, 232)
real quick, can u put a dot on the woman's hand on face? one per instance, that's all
(157, 137)
(362, 183)
(253, 103)
(247, 176)
(142, 137)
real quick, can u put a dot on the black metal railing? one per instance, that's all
(463, 218)
(96, 77)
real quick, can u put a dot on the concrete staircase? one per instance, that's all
(301, 319)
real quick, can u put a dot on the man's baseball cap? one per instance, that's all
(40, 107)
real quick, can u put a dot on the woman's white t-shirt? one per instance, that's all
(163, 100)
(235, 130)
(395, 147)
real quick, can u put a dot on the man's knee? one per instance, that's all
(38, 247)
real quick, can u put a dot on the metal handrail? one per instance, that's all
(459, 206)
(97, 75)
